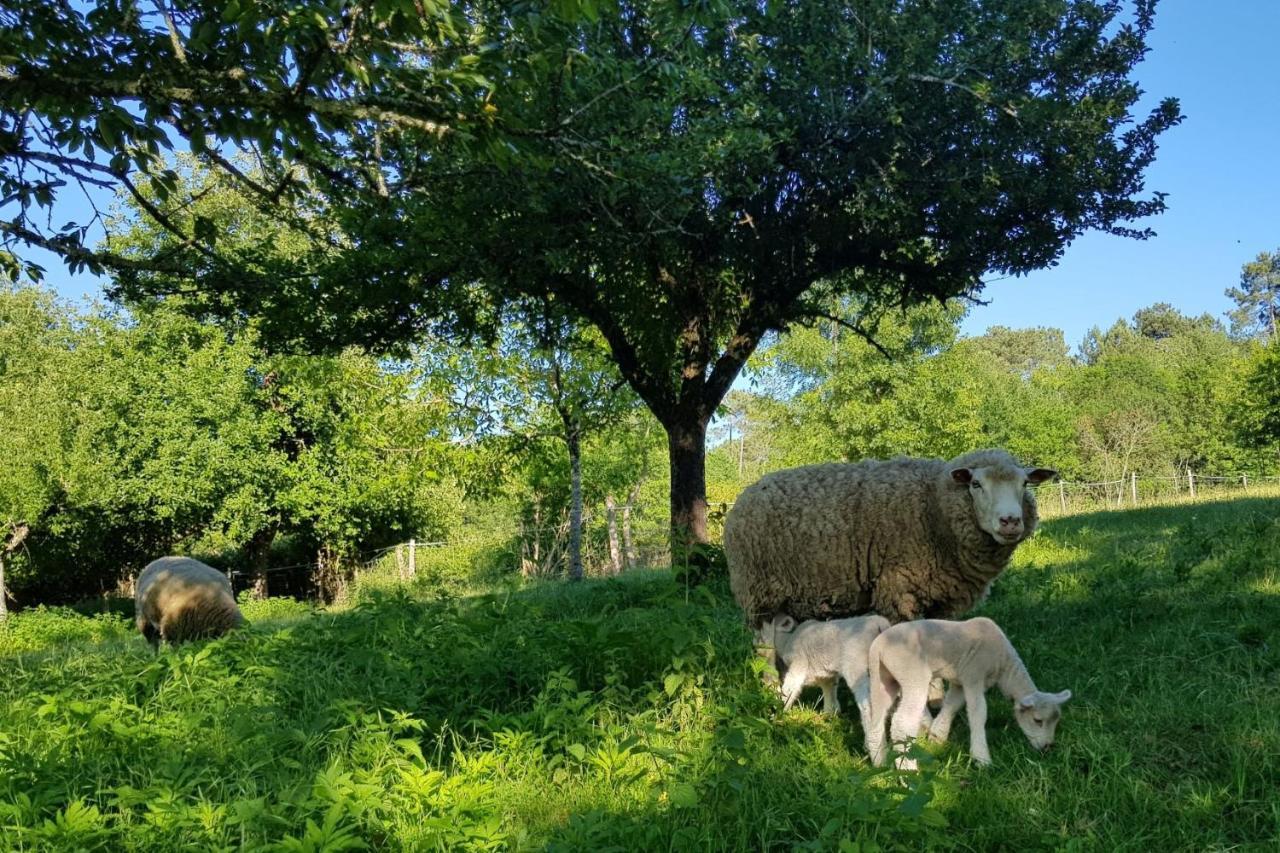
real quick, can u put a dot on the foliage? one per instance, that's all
(619, 715)
(682, 178)
(1257, 298)
(133, 435)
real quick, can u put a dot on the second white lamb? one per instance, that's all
(822, 652)
(972, 655)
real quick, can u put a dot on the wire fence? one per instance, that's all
(615, 542)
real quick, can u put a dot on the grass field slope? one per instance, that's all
(628, 715)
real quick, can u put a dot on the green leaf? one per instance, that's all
(682, 795)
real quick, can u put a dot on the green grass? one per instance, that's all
(628, 715)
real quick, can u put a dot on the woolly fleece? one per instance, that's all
(179, 599)
(897, 537)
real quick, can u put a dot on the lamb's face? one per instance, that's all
(1038, 714)
(997, 497)
(768, 634)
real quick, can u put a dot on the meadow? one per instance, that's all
(628, 714)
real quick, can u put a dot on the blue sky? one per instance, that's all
(1221, 169)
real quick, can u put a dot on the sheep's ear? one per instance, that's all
(785, 624)
(1062, 697)
(1028, 701)
(962, 475)
(1036, 476)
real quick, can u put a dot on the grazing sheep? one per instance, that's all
(972, 656)
(180, 599)
(907, 538)
(822, 652)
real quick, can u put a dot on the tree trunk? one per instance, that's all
(615, 548)
(575, 504)
(687, 452)
(12, 543)
(628, 538)
(259, 550)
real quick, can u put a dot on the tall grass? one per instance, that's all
(629, 715)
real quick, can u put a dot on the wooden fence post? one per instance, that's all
(1133, 487)
(1062, 496)
(1191, 483)
(413, 559)
(1244, 482)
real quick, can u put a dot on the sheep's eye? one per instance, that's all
(974, 484)
(1038, 719)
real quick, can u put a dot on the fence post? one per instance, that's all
(1062, 496)
(413, 559)
(1133, 487)
(1244, 482)
(1191, 483)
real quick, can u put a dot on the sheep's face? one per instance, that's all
(997, 492)
(1038, 714)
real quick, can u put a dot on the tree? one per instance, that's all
(1255, 415)
(682, 178)
(1257, 298)
(33, 337)
(544, 377)
(92, 93)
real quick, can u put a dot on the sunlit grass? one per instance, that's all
(628, 715)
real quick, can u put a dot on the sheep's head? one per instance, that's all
(997, 492)
(1038, 714)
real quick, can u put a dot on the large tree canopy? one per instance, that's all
(683, 177)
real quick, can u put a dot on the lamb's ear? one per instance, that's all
(1036, 476)
(962, 475)
(1028, 701)
(785, 624)
(1062, 697)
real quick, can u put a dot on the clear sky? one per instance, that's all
(1220, 167)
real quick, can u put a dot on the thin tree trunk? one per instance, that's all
(575, 504)
(628, 537)
(615, 548)
(4, 593)
(686, 450)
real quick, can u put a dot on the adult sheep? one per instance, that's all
(179, 599)
(906, 538)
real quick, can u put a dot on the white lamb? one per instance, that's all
(972, 656)
(819, 653)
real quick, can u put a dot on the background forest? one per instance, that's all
(133, 432)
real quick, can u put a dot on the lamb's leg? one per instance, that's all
(884, 689)
(951, 703)
(830, 704)
(975, 701)
(862, 697)
(906, 720)
(791, 687)
(936, 692)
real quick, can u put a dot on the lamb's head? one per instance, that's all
(1038, 714)
(997, 487)
(776, 631)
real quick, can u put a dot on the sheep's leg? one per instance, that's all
(791, 687)
(906, 721)
(951, 703)
(975, 701)
(830, 704)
